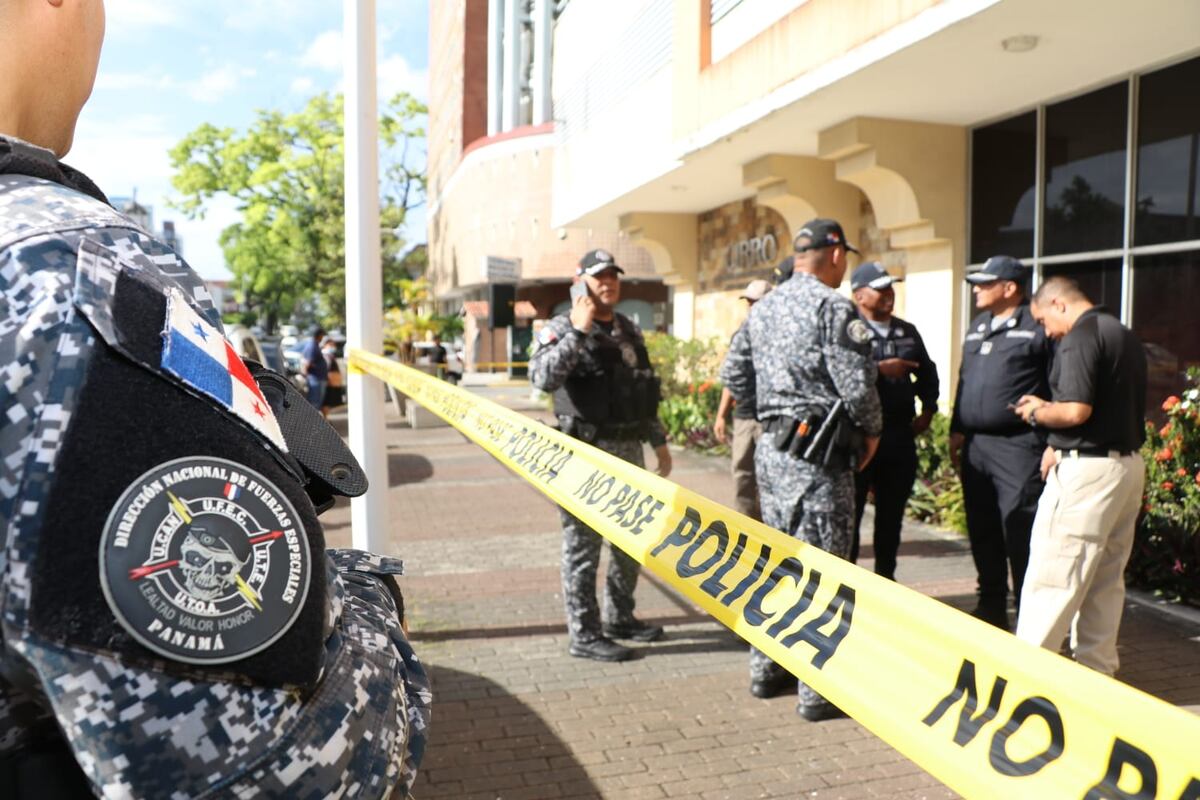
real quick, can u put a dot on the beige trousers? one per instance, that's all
(1082, 537)
(746, 433)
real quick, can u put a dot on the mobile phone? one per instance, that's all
(578, 290)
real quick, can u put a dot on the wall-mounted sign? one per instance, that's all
(750, 253)
(501, 270)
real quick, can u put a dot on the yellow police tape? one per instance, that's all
(985, 713)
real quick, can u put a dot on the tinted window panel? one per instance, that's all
(1168, 177)
(1099, 280)
(1003, 168)
(1085, 165)
(1165, 288)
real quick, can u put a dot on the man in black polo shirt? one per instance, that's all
(1083, 532)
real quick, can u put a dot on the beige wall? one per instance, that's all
(498, 203)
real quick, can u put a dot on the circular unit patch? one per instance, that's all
(204, 561)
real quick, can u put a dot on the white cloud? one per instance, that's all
(119, 81)
(213, 86)
(325, 52)
(302, 85)
(395, 75)
(123, 15)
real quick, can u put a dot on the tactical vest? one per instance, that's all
(613, 384)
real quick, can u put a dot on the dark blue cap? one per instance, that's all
(1000, 268)
(872, 274)
(821, 233)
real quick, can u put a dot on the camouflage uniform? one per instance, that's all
(139, 724)
(803, 347)
(564, 352)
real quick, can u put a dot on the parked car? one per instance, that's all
(245, 343)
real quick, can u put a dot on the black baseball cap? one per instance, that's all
(1000, 268)
(821, 233)
(596, 261)
(873, 275)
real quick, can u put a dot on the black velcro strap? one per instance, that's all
(328, 464)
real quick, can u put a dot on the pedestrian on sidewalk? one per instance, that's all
(906, 372)
(1005, 355)
(747, 430)
(314, 368)
(806, 360)
(594, 361)
(173, 624)
(1084, 529)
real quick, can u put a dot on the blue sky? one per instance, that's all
(167, 67)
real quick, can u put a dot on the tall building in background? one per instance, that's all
(491, 157)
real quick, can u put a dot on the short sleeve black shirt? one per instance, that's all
(1102, 363)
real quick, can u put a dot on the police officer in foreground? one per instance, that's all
(172, 623)
(605, 392)
(1005, 356)
(906, 372)
(806, 355)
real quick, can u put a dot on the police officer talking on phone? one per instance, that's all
(595, 363)
(1006, 355)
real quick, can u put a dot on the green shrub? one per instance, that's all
(937, 493)
(1166, 550)
(690, 391)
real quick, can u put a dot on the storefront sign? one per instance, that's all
(499, 270)
(750, 253)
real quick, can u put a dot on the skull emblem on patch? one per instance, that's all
(204, 561)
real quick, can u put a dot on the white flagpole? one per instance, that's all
(364, 282)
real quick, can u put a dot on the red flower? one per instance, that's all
(1168, 486)
(704, 387)
(1198, 478)
(1165, 430)
(1170, 403)
(1178, 567)
(1164, 455)
(1181, 473)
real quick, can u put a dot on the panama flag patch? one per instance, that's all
(196, 353)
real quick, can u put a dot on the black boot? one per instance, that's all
(601, 650)
(635, 629)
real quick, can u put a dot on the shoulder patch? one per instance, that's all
(196, 353)
(547, 336)
(857, 331)
(204, 561)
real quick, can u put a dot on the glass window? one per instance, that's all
(1003, 169)
(1168, 180)
(1100, 280)
(1164, 290)
(1085, 167)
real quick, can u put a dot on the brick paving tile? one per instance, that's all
(516, 718)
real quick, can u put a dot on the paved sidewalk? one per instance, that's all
(516, 718)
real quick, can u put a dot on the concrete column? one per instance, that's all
(915, 176)
(673, 243)
(364, 280)
(511, 101)
(495, 103)
(543, 36)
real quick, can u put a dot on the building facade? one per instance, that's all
(938, 132)
(491, 165)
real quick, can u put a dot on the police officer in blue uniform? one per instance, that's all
(906, 372)
(1006, 355)
(171, 622)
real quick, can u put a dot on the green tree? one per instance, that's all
(285, 173)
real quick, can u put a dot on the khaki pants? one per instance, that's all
(746, 433)
(1082, 537)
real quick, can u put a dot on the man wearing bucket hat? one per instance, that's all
(906, 373)
(747, 430)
